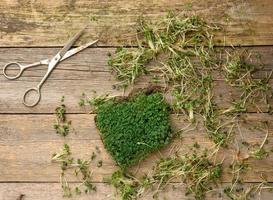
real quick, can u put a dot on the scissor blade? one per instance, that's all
(77, 50)
(70, 43)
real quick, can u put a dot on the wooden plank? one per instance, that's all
(45, 191)
(50, 23)
(25, 127)
(95, 59)
(86, 72)
(26, 150)
(102, 83)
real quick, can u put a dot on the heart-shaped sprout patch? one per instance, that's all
(132, 128)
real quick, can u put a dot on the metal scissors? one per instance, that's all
(51, 63)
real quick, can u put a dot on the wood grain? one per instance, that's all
(51, 22)
(27, 144)
(86, 72)
(27, 138)
(30, 161)
(45, 191)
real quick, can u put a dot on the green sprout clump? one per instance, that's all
(134, 127)
(239, 73)
(195, 170)
(81, 170)
(62, 126)
(126, 186)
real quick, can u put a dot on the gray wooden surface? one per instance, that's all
(33, 30)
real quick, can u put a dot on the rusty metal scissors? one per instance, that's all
(51, 63)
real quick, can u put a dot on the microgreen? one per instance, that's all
(189, 60)
(259, 152)
(167, 35)
(99, 164)
(194, 170)
(94, 101)
(134, 127)
(126, 186)
(62, 126)
(180, 50)
(93, 156)
(242, 192)
(239, 73)
(81, 170)
(234, 191)
(63, 157)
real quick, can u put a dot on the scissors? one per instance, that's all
(51, 63)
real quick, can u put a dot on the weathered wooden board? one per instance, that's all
(52, 191)
(51, 22)
(28, 141)
(30, 161)
(27, 138)
(95, 59)
(86, 72)
(28, 127)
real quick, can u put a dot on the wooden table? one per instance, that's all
(34, 29)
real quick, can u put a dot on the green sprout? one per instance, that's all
(132, 128)
(179, 51)
(239, 73)
(81, 169)
(187, 46)
(125, 184)
(259, 152)
(195, 171)
(62, 126)
(94, 101)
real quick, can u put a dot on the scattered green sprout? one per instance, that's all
(67, 191)
(60, 112)
(259, 152)
(186, 44)
(126, 185)
(99, 163)
(132, 128)
(81, 169)
(62, 99)
(63, 157)
(169, 35)
(195, 170)
(240, 193)
(93, 18)
(235, 191)
(62, 126)
(250, 192)
(239, 73)
(180, 50)
(93, 102)
(93, 156)
(189, 61)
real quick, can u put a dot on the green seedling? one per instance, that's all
(259, 152)
(134, 127)
(196, 172)
(81, 170)
(180, 51)
(239, 73)
(62, 126)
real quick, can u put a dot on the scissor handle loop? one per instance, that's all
(13, 64)
(37, 90)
